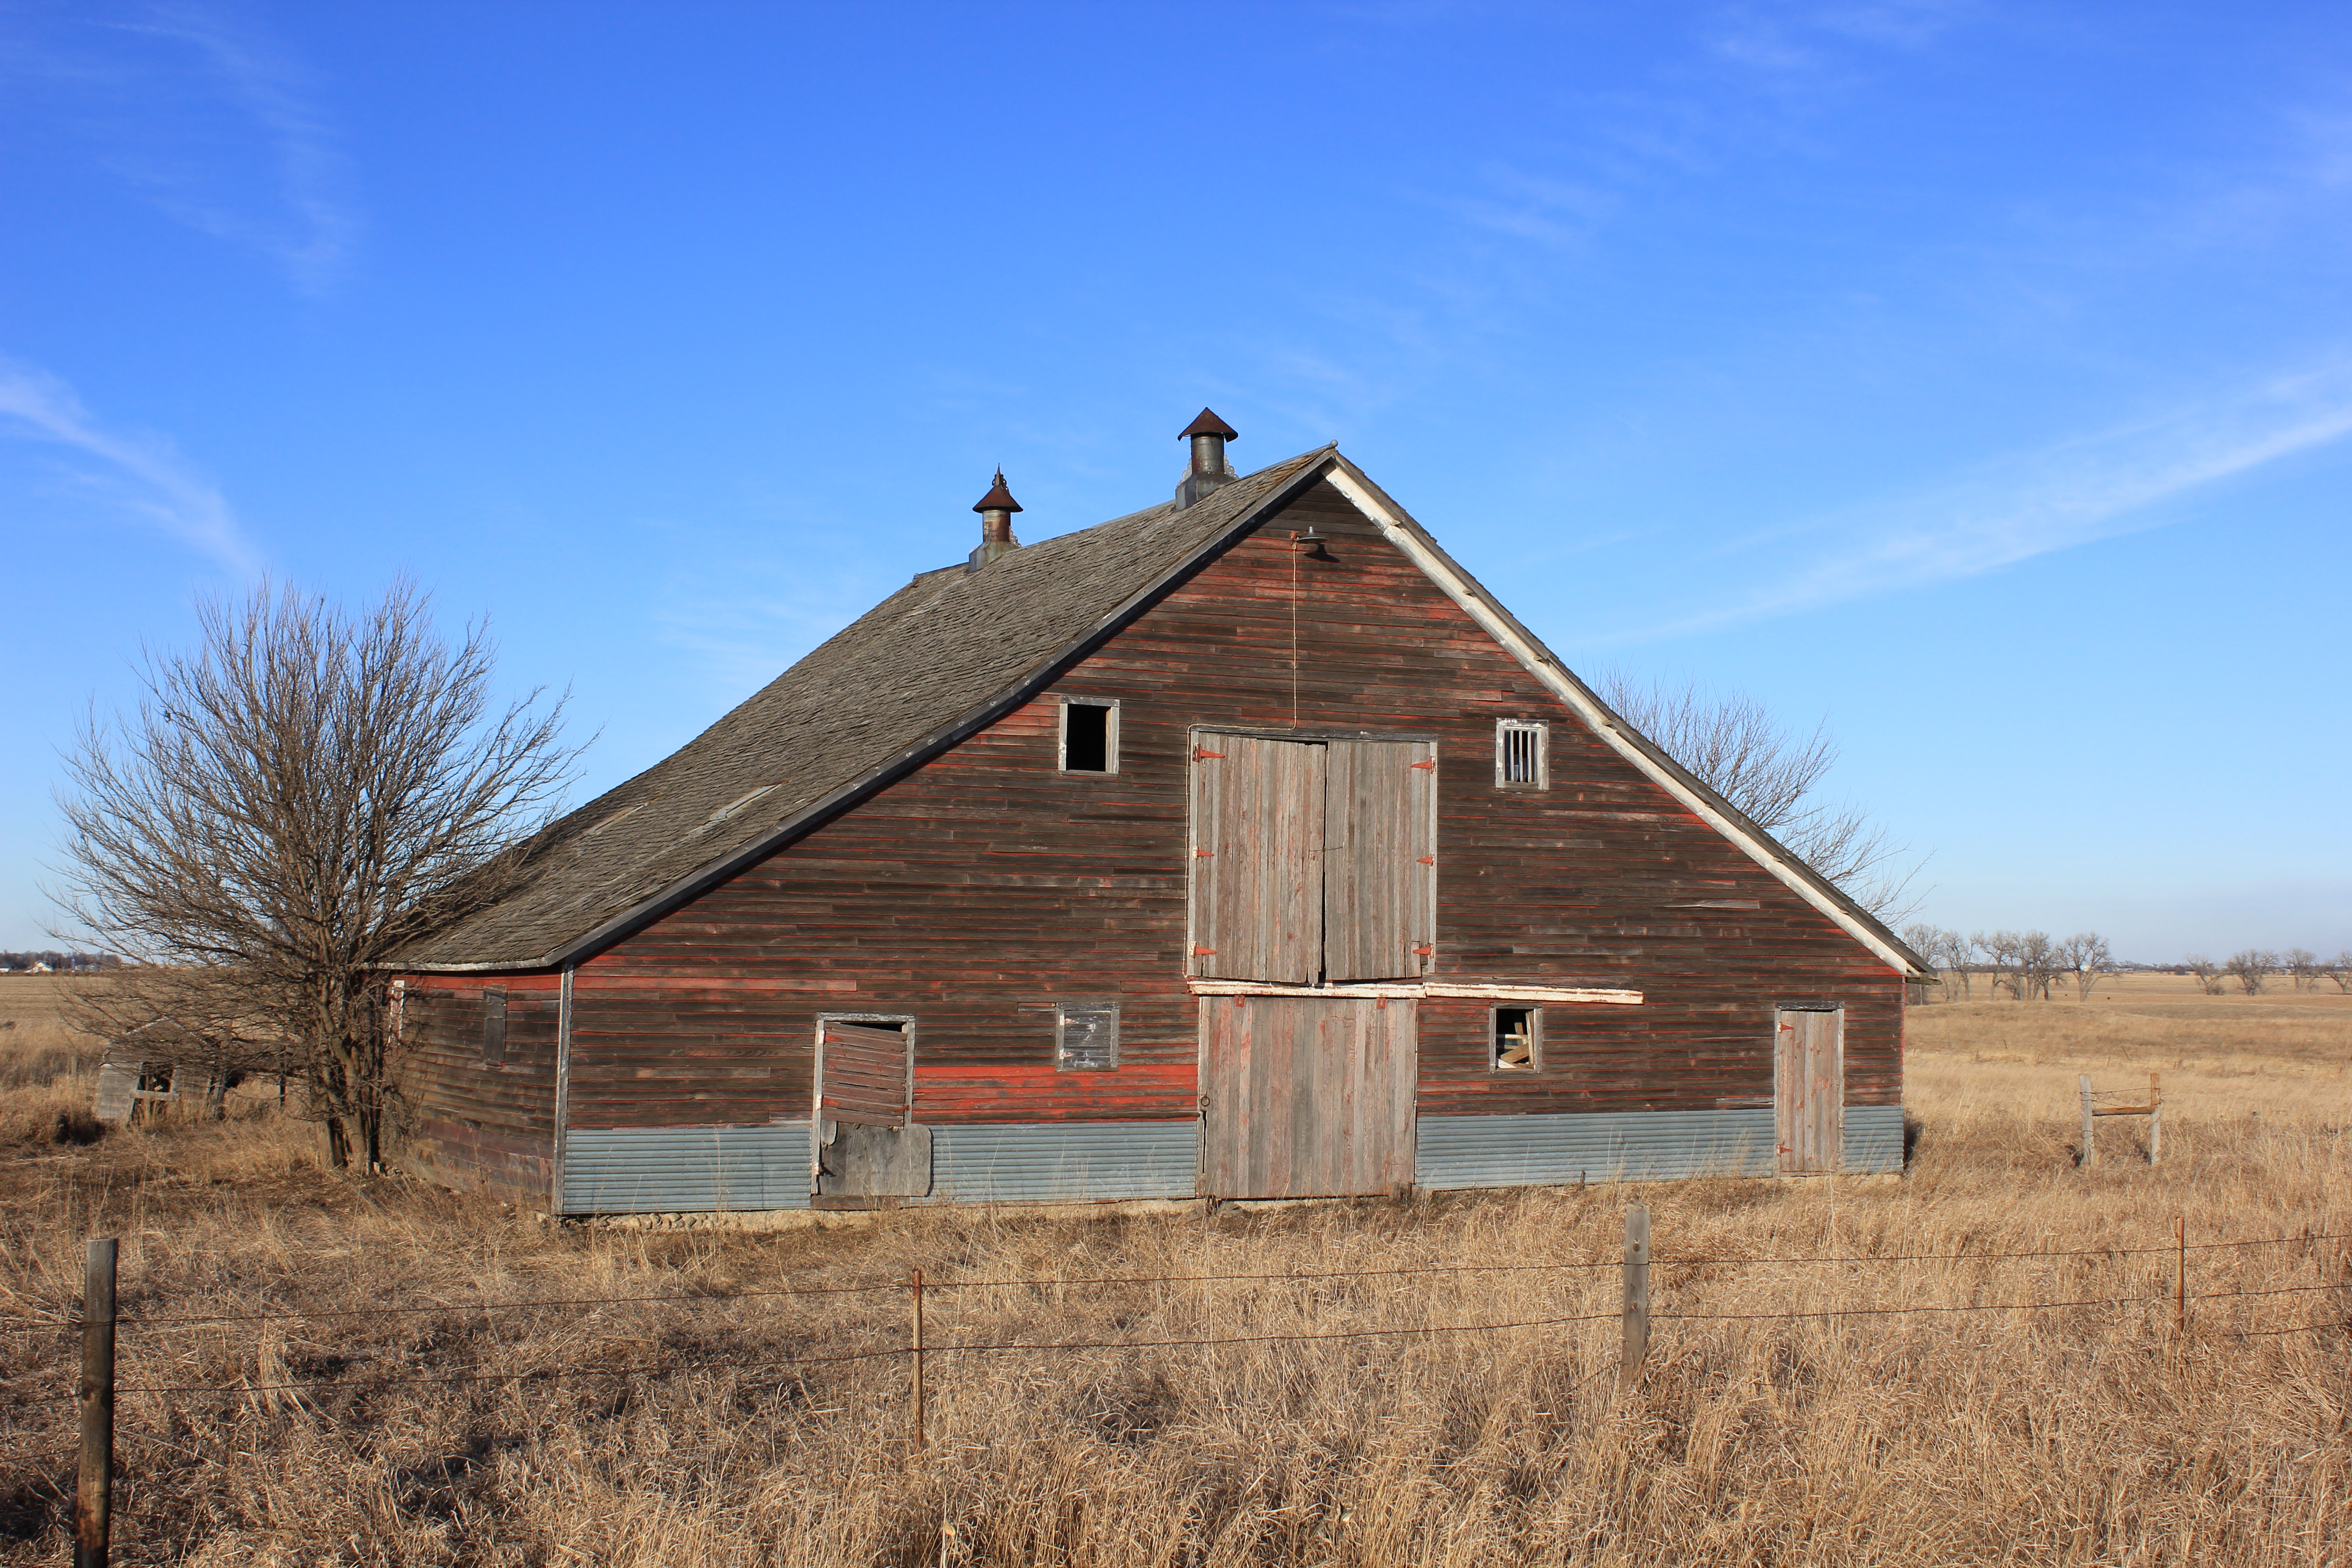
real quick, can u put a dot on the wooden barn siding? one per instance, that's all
(988, 881)
(464, 1124)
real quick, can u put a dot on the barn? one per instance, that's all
(1243, 846)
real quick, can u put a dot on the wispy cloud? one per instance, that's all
(209, 119)
(2097, 487)
(131, 473)
(315, 231)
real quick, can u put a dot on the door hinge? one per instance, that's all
(1198, 952)
(1202, 754)
(1424, 949)
(1427, 765)
(1204, 854)
(1427, 861)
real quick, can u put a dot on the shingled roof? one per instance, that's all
(949, 653)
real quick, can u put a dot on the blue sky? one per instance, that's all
(1976, 379)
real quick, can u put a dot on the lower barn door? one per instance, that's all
(1306, 1097)
(1808, 1089)
(867, 1143)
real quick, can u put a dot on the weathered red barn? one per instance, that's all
(1242, 846)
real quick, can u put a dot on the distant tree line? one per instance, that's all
(63, 962)
(2024, 965)
(2254, 968)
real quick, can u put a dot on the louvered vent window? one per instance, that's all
(1521, 754)
(1086, 1037)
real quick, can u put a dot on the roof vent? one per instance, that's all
(996, 509)
(1210, 469)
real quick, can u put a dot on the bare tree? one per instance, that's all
(2086, 956)
(2302, 968)
(303, 793)
(1999, 949)
(2037, 963)
(2252, 966)
(1957, 954)
(2340, 971)
(2207, 973)
(1771, 775)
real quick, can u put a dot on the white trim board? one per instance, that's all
(1411, 991)
(1475, 604)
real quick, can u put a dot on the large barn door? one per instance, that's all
(1257, 860)
(1306, 1097)
(1380, 859)
(1808, 1089)
(867, 1143)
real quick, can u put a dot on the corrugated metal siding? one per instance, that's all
(1873, 1138)
(1538, 1151)
(1069, 1161)
(686, 1170)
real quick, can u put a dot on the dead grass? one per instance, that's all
(2088, 1435)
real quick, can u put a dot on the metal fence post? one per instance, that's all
(915, 1287)
(1635, 1347)
(94, 1493)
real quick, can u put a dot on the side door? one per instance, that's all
(867, 1143)
(1808, 1089)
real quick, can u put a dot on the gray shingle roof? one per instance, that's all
(946, 654)
(932, 661)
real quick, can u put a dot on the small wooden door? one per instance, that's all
(1808, 1089)
(867, 1143)
(1306, 1097)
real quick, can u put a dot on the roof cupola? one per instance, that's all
(996, 509)
(1210, 468)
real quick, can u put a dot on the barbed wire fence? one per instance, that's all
(98, 1325)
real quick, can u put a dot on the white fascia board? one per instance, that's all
(1414, 991)
(1481, 609)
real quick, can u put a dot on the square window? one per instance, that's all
(1090, 735)
(1522, 754)
(1515, 1040)
(1086, 1037)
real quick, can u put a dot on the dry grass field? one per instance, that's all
(1766, 1430)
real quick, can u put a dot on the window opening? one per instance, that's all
(494, 1026)
(1518, 1039)
(1086, 1037)
(1090, 736)
(1521, 760)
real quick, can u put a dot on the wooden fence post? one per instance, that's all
(94, 1493)
(2154, 1121)
(2084, 1083)
(1635, 1346)
(914, 1285)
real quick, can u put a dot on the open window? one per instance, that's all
(1090, 735)
(1514, 1036)
(1086, 1037)
(1522, 754)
